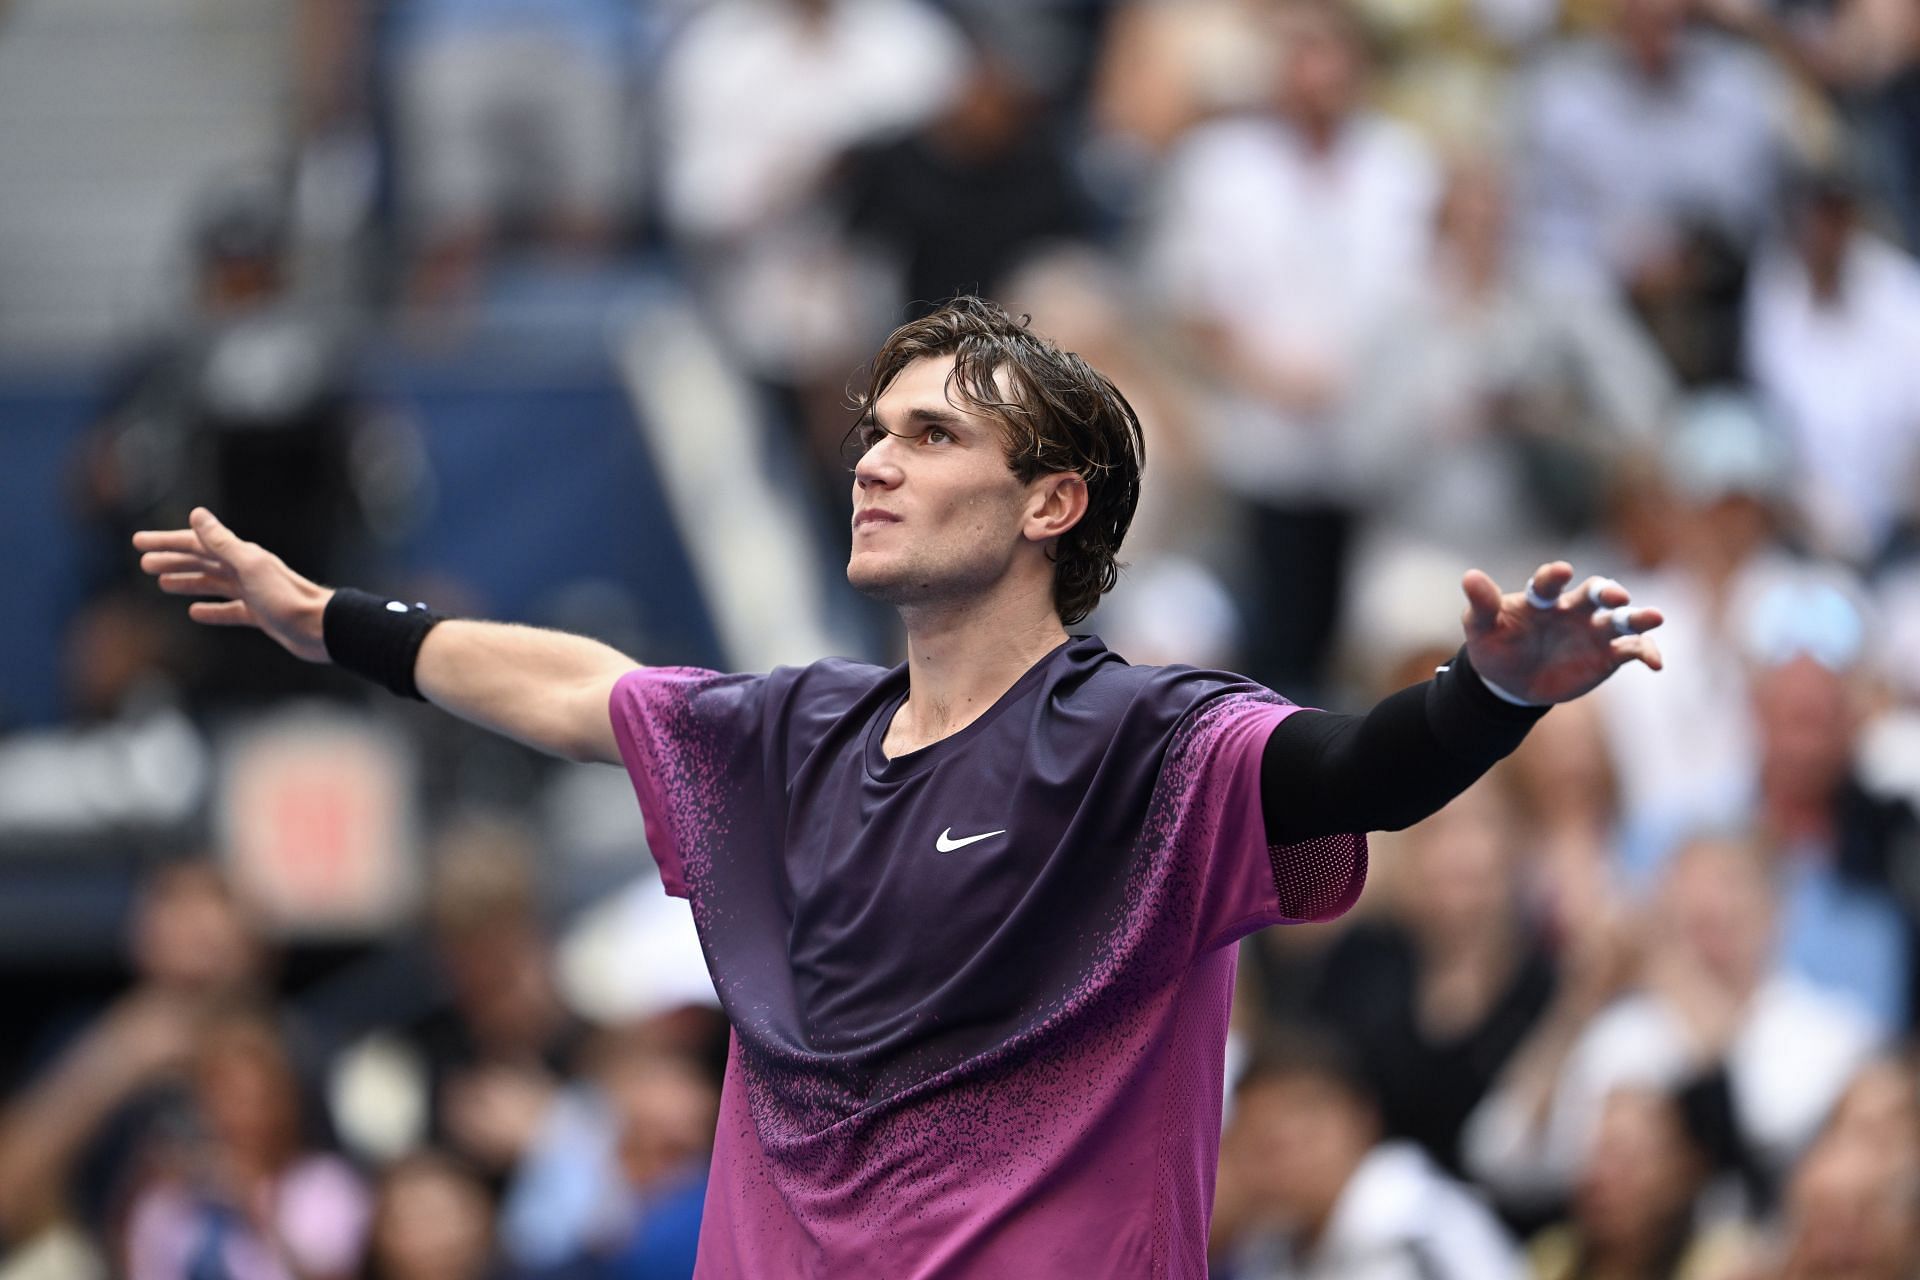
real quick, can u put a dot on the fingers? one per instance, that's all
(216, 537)
(158, 563)
(1602, 593)
(1627, 622)
(199, 584)
(224, 613)
(1548, 581)
(184, 540)
(1638, 648)
(1483, 600)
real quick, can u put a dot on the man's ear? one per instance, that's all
(1059, 501)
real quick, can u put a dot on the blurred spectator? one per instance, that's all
(1833, 322)
(1436, 996)
(1752, 1045)
(1501, 397)
(1449, 61)
(248, 406)
(68, 1140)
(432, 1220)
(1084, 300)
(1880, 1113)
(1307, 1189)
(761, 99)
(238, 1190)
(1843, 852)
(1167, 65)
(1633, 1206)
(498, 1050)
(956, 204)
(1652, 127)
(510, 117)
(1566, 789)
(477, 1066)
(1284, 242)
(1866, 54)
(613, 1187)
(1648, 155)
(1853, 1207)
(1685, 745)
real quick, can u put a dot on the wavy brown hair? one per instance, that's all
(1058, 413)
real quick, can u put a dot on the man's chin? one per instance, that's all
(870, 580)
(887, 585)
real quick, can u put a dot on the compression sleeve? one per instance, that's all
(1324, 772)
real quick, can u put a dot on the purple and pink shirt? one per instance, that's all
(979, 992)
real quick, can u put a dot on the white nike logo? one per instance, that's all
(946, 844)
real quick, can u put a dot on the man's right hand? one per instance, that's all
(254, 587)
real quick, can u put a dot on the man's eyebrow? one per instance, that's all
(923, 416)
(918, 419)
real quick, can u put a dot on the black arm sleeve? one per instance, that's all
(1323, 773)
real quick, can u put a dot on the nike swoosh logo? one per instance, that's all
(946, 844)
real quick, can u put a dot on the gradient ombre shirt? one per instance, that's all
(979, 992)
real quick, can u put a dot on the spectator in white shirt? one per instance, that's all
(1833, 341)
(759, 99)
(1655, 126)
(1283, 242)
(1713, 1014)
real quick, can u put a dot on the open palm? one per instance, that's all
(1549, 644)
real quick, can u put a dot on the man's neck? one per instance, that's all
(960, 660)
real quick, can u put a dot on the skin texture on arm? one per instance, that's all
(546, 689)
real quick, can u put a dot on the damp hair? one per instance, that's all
(1057, 413)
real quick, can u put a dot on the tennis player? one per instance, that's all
(972, 917)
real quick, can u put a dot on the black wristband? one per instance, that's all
(1465, 714)
(377, 638)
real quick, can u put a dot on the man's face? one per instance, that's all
(938, 515)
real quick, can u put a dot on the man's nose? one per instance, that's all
(878, 467)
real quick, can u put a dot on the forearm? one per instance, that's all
(546, 689)
(1324, 773)
(44, 1130)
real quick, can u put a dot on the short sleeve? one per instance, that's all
(692, 744)
(1207, 808)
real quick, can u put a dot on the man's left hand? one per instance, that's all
(1551, 644)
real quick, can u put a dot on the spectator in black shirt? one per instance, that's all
(1436, 996)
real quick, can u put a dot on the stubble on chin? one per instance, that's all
(916, 585)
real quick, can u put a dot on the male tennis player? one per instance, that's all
(971, 917)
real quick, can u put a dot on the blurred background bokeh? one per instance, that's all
(546, 310)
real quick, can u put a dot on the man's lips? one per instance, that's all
(873, 515)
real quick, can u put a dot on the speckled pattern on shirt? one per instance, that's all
(979, 992)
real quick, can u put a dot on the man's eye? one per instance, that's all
(939, 435)
(868, 435)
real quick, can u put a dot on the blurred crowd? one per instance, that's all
(1397, 286)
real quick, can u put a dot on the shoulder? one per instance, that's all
(1100, 678)
(821, 690)
(828, 679)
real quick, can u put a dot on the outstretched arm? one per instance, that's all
(546, 689)
(1324, 773)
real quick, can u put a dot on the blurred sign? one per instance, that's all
(316, 819)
